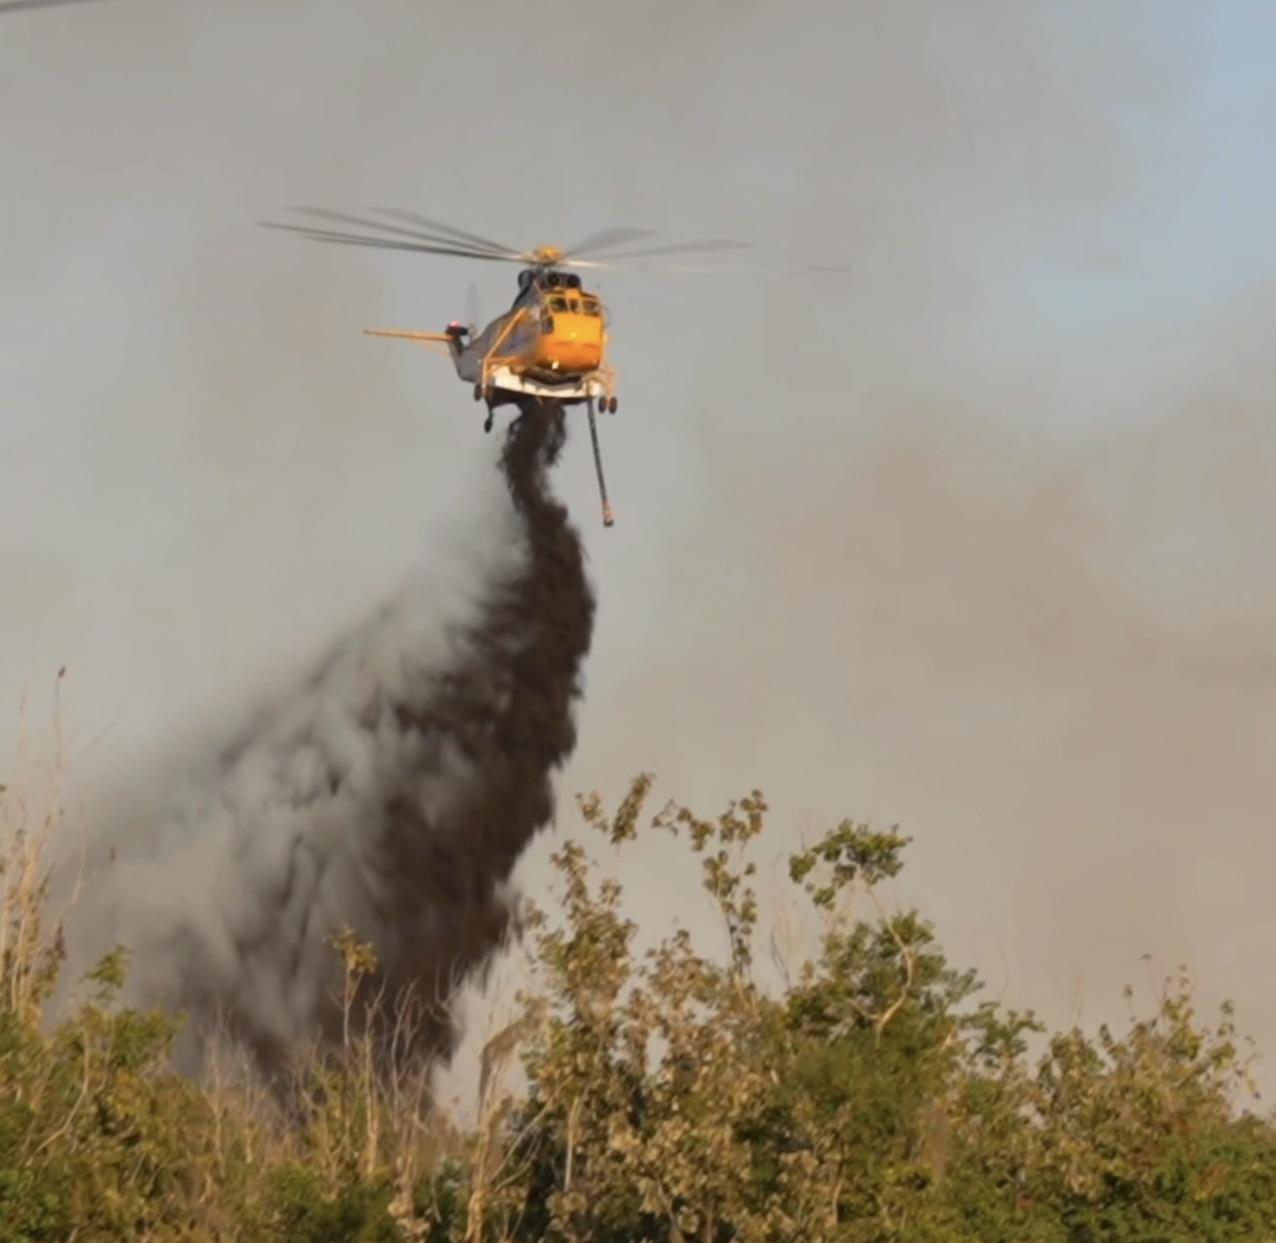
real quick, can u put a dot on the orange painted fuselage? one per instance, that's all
(572, 345)
(551, 345)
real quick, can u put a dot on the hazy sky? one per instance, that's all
(973, 538)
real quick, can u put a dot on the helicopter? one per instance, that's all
(550, 347)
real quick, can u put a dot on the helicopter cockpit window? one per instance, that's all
(558, 304)
(591, 307)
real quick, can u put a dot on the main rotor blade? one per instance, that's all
(681, 248)
(377, 225)
(472, 239)
(14, 6)
(381, 243)
(606, 239)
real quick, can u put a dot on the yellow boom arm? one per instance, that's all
(440, 337)
(438, 342)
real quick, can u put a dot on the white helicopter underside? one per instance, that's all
(576, 390)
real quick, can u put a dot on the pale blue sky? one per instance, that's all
(1223, 235)
(1202, 225)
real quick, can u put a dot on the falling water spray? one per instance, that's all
(390, 794)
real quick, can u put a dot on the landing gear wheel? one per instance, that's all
(487, 423)
(612, 403)
(478, 392)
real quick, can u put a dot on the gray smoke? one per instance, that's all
(392, 792)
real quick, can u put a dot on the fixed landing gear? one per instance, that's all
(612, 403)
(485, 394)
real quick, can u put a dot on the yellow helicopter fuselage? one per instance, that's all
(551, 345)
(568, 338)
